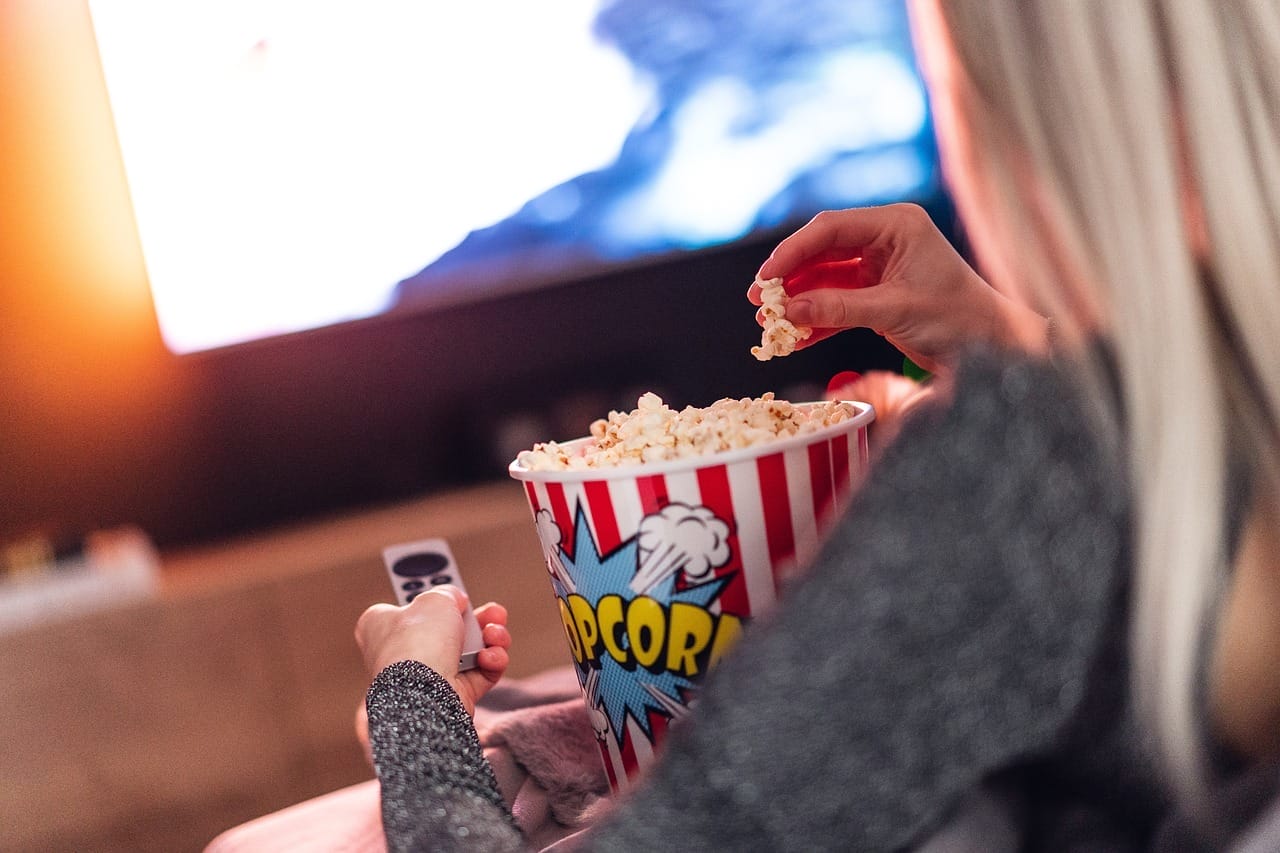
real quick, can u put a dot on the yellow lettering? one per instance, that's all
(575, 644)
(690, 632)
(610, 618)
(646, 630)
(584, 619)
(643, 631)
(726, 635)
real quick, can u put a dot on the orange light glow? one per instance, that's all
(63, 195)
(79, 344)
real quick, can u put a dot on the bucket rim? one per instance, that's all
(865, 416)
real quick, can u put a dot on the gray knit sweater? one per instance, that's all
(964, 625)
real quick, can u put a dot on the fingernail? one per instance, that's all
(800, 311)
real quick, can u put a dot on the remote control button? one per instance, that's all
(441, 580)
(420, 565)
(409, 586)
(411, 596)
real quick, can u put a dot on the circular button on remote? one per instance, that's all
(420, 565)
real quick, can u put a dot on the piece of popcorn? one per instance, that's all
(779, 335)
(653, 432)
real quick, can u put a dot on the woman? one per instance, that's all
(1058, 588)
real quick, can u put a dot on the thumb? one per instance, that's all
(456, 595)
(831, 308)
(437, 605)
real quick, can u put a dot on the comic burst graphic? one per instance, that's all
(631, 691)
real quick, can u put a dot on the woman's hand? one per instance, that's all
(890, 269)
(429, 630)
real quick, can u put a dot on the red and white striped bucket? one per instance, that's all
(656, 566)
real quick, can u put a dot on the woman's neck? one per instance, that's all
(1244, 686)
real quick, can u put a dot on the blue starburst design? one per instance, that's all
(622, 690)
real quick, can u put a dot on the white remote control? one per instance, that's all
(415, 567)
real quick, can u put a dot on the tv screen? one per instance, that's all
(294, 165)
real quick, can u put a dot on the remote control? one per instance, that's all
(415, 567)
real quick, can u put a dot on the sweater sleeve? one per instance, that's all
(950, 628)
(438, 791)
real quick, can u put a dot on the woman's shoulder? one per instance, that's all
(1013, 420)
(1009, 391)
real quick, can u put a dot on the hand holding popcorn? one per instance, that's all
(890, 269)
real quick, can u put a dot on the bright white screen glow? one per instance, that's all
(717, 178)
(289, 162)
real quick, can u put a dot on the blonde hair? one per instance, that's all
(1087, 143)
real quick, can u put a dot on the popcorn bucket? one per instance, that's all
(656, 567)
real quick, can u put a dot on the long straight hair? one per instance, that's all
(1119, 163)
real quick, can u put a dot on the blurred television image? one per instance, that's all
(293, 165)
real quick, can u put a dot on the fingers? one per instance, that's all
(434, 606)
(493, 659)
(828, 269)
(843, 309)
(430, 599)
(493, 662)
(493, 621)
(496, 635)
(837, 234)
(491, 611)
(817, 336)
